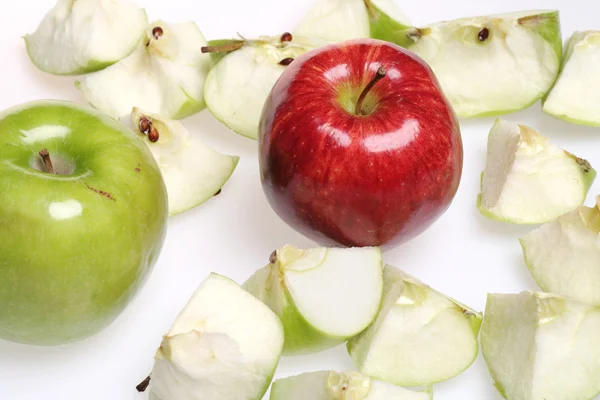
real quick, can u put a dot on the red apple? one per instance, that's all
(376, 173)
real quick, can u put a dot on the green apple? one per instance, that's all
(333, 385)
(82, 226)
(576, 95)
(540, 346)
(324, 296)
(527, 179)
(564, 255)
(193, 172)
(238, 85)
(420, 336)
(225, 344)
(164, 75)
(81, 36)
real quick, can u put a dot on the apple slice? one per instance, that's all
(420, 336)
(332, 385)
(324, 296)
(496, 64)
(193, 172)
(225, 344)
(81, 36)
(576, 95)
(564, 255)
(340, 20)
(164, 75)
(542, 346)
(238, 85)
(527, 179)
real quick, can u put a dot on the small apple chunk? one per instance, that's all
(324, 296)
(420, 336)
(82, 36)
(527, 179)
(193, 172)
(540, 346)
(164, 75)
(564, 255)
(576, 95)
(225, 344)
(333, 385)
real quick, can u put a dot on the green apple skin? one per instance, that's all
(74, 247)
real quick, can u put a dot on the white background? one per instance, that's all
(463, 254)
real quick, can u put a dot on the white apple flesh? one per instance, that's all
(420, 336)
(527, 179)
(81, 36)
(225, 344)
(324, 296)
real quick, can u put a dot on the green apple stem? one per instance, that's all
(359, 104)
(47, 161)
(143, 385)
(226, 48)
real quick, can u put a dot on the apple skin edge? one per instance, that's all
(370, 180)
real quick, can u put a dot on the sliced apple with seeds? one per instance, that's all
(527, 179)
(333, 385)
(193, 172)
(576, 95)
(164, 75)
(238, 85)
(540, 346)
(225, 344)
(82, 36)
(420, 336)
(324, 296)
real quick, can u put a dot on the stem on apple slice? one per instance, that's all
(359, 104)
(226, 48)
(47, 161)
(143, 385)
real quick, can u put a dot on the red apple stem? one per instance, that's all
(143, 385)
(47, 161)
(226, 48)
(359, 104)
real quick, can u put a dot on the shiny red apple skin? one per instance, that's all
(371, 180)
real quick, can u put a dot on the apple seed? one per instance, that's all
(47, 161)
(153, 135)
(286, 37)
(483, 35)
(286, 61)
(145, 125)
(273, 257)
(157, 32)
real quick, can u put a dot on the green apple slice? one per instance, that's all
(81, 36)
(238, 85)
(333, 385)
(420, 336)
(576, 95)
(324, 296)
(495, 64)
(225, 344)
(564, 255)
(541, 346)
(164, 75)
(193, 172)
(527, 179)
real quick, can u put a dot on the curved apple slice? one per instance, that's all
(493, 65)
(82, 36)
(238, 85)
(527, 179)
(420, 336)
(576, 95)
(193, 172)
(318, 309)
(541, 346)
(332, 385)
(225, 344)
(164, 75)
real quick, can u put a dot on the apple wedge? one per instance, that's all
(82, 36)
(318, 309)
(527, 179)
(193, 172)
(238, 85)
(333, 385)
(576, 95)
(540, 346)
(564, 255)
(420, 336)
(164, 75)
(225, 344)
